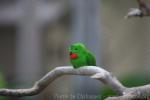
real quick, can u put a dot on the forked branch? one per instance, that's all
(98, 73)
(142, 10)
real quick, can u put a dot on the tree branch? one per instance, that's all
(40, 85)
(94, 72)
(141, 11)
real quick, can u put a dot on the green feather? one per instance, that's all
(90, 59)
(84, 56)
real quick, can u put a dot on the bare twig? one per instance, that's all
(104, 75)
(141, 11)
(94, 72)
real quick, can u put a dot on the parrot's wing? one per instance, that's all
(90, 59)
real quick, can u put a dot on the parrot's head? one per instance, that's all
(76, 50)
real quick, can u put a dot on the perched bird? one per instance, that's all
(80, 56)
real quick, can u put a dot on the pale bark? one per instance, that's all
(94, 72)
(142, 11)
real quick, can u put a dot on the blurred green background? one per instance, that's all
(35, 36)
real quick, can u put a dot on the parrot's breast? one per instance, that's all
(79, 61)
(73, 56)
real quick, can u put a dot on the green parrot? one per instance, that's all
(80, 56)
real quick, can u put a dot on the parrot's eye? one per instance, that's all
(76, 49)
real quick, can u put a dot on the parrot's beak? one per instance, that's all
(70, 53)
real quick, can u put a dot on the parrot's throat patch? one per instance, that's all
(73, 56)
